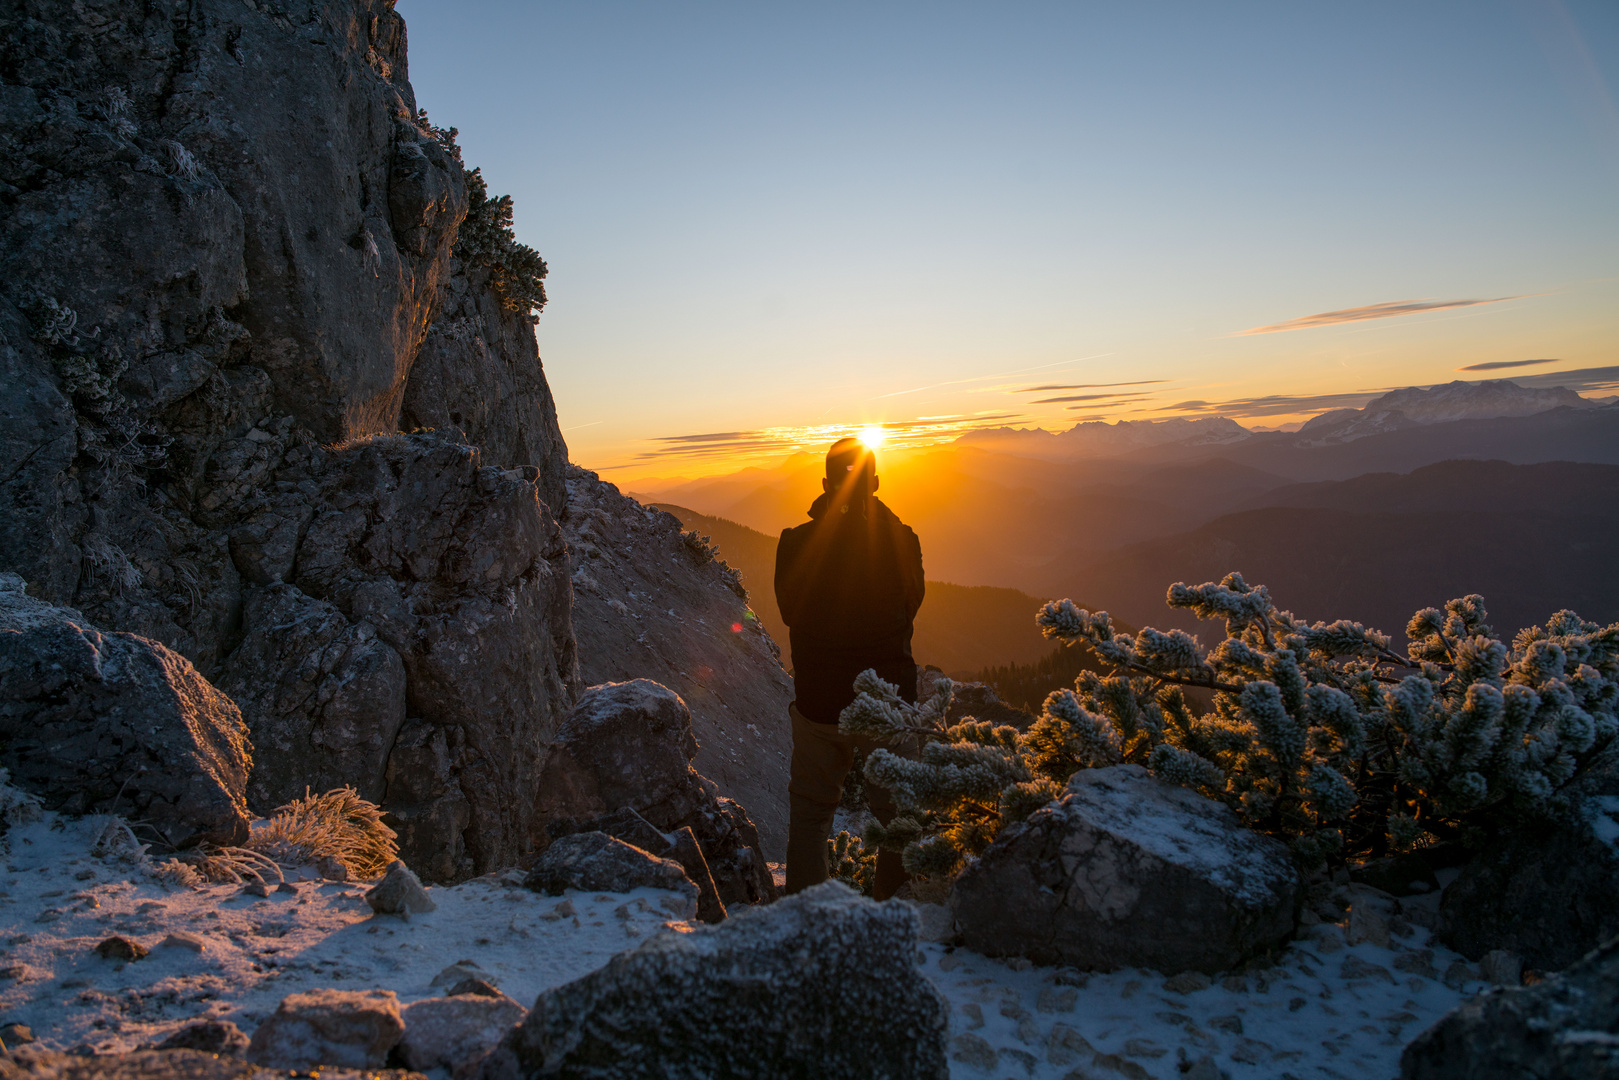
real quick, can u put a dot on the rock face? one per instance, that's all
(415, 581)
(650, 601)
(98, 722)
(631, 745)
(226, 233)
(347, 1028)
(1126, 870)
(822, 984)
(1565, 1027)
(1551, 894)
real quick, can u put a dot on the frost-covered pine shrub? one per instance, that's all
(966, 782)
(486, 239)
(851, 862)
(1319, 733)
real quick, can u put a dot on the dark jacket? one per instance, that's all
(849, 583)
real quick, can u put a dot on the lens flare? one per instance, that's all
(873, 436)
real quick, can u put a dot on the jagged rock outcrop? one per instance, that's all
(631, 745)
(1566, 1027)
(419, 582)
(1127, 870)
(652, 602)
(114, 723)
(478, 379)
(226, 232)
(822, 984)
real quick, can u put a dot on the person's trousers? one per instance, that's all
(822, 756)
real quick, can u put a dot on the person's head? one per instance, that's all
(851, 470)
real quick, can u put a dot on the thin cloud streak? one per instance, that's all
(1088, 386)
(1501, 365)
(1274, 404)
(1387, 310)
(1122, 399)
(994, 375)
(775, 441)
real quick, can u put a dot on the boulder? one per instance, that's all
(595, 862)
(1128, 871)
(1548, 892)
(681, 846)
(1566, 1026)
(651, 600)
(824, 984)
(631, 745)
(350, 1028)
(95, 722)
(454, 1033)
(399, 892)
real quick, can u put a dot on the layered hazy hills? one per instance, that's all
(1520, 508)
(959, 629)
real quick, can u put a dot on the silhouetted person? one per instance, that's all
(848, 583)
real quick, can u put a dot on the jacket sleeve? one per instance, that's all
(912, 578)
(788, 586)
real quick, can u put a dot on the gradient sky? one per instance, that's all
(774, 221)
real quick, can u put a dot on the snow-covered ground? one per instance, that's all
(231, 955)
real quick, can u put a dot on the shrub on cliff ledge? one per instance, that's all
(486, 239)
(1319, 734)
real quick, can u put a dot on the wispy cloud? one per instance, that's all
(1579, 380)
(1501, 365)
(770, 442)
(1387, 310)
(1121, 398)
(1087, 386)
(1275, 404)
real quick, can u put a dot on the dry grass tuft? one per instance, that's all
(338, 825)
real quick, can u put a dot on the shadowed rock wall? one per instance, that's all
(225, 235)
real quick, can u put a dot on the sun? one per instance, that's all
(873, 436)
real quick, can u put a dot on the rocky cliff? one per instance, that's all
(228, 279)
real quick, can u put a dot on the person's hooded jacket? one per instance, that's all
(848, 583)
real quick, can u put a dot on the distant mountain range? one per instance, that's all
(1339, 520)
(1414, 407)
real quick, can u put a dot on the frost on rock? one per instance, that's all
(824, 983)
(1127, 870)
(96, 722)
(348, 1028)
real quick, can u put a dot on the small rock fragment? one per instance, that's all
(476, 987)
(121, 948)
(287, 887)
(1057, 999)
(399, 892)
(182, 939)
(970, 1049)
(1066, 1046)
(16, 1034)
(458, 972)
(975, 1015)
(1356, 968)
(1187, 982)
(209, 1036)
(256, 888)
(1365, 924)
(1502, 968)
(563, 910)
(1230, 1024)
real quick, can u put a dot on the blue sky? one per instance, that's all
(774, 218)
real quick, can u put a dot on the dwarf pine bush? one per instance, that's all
(1319, 733)
(516, 271)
